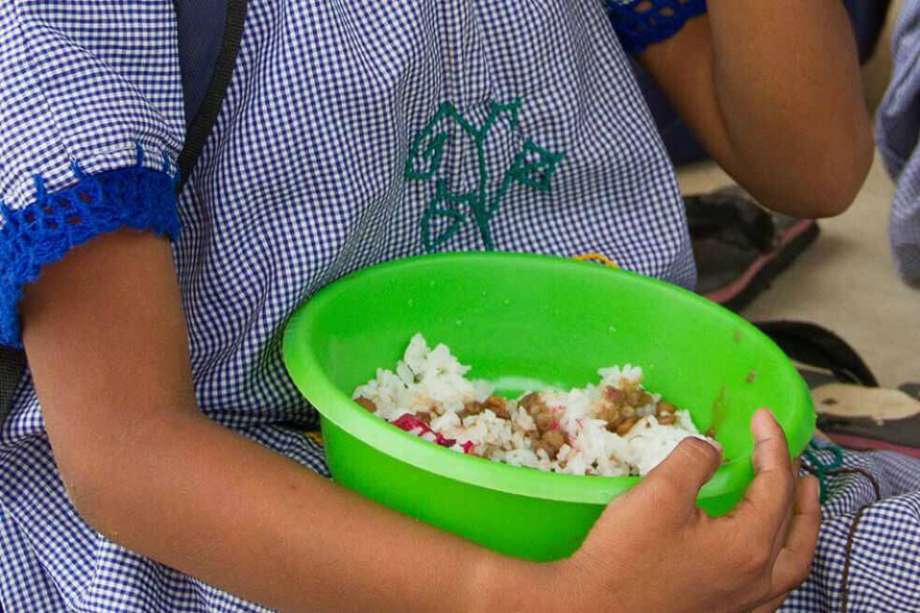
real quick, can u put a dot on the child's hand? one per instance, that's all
(654, 550)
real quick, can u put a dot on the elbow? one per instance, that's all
(844, 172)
(119, 481)
(91, 494)
(109, 481)
(841, 168)
(820, 183)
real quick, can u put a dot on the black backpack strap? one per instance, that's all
(12, 365)
(210, 32)
(811, 345)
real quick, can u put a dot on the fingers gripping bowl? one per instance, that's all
(526, 322)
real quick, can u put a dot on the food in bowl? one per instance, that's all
(613, 428)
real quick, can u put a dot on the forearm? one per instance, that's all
(107, 348)
(211, 504)
(773, 90)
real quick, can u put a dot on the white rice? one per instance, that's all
(434, 381)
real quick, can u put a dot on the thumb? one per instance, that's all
(681, 475)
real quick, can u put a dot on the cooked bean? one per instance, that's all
(614, 395)
(497, 405)
(545, 421)
(367, 404)
(533, 403)
(624, 428)
(470, 408)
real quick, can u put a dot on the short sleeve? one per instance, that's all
(91, 124)
(640, 23)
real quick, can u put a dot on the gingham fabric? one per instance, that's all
(303, 180)
(308, 175)
(898, 134)
(868, 556)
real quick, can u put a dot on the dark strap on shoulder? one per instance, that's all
(814, 346)
(12, 365)
(210, 32)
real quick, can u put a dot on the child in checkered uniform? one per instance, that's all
(154, 457)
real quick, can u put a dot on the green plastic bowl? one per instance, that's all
(523, 321)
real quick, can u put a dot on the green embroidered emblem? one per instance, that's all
(447, 211)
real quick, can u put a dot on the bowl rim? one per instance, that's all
(312, 381)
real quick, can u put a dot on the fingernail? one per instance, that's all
(762, 417)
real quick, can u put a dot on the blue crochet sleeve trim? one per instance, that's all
(640, 23)
(44, 231)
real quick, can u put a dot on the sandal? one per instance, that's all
(868, 418)
(853, 411)
(739, 247)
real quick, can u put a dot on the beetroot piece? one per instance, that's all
(412, 424)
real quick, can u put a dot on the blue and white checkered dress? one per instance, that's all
(328, 156)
